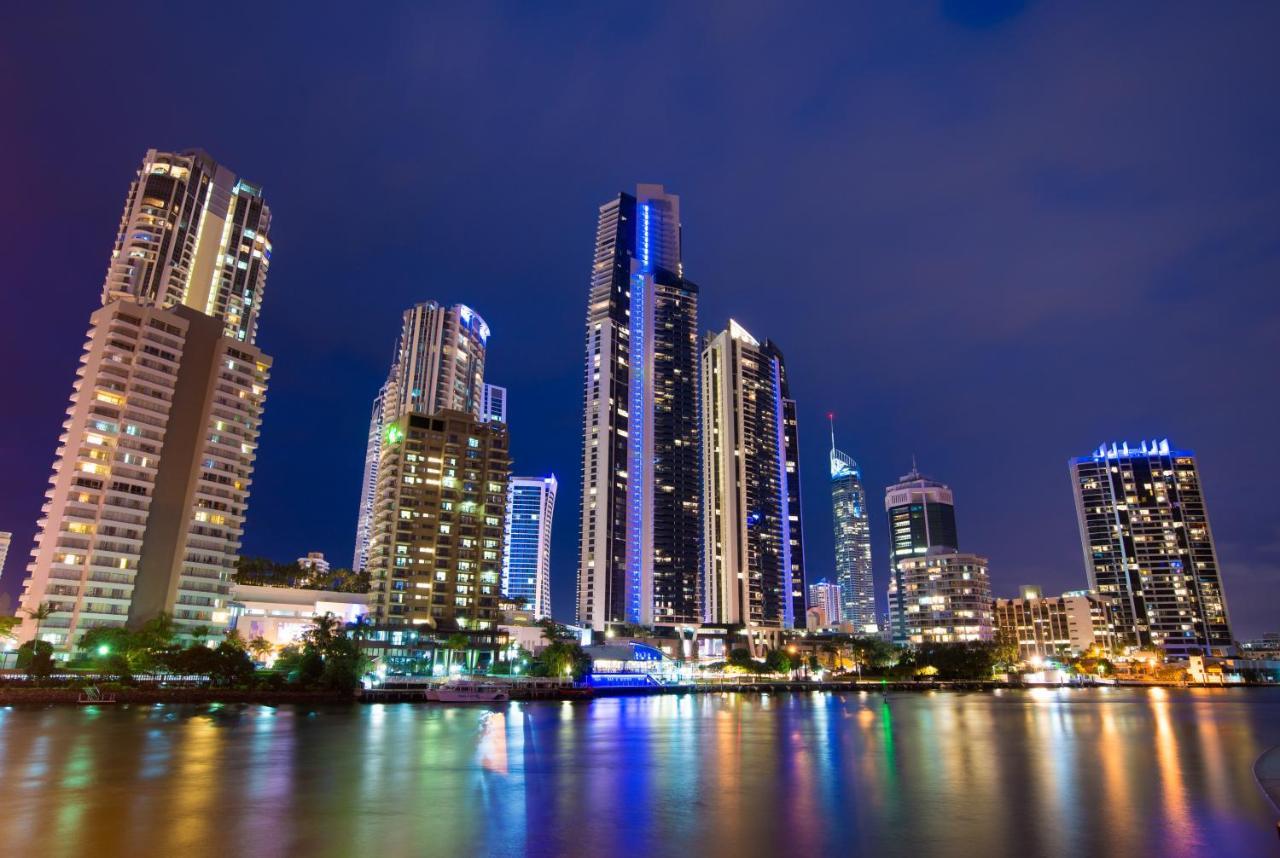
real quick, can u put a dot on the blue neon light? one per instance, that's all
(784, 499)
(644, 236)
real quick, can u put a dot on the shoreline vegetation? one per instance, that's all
(36, 696)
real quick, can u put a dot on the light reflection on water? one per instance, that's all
(1116, 772)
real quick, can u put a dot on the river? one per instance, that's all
(1110, 772)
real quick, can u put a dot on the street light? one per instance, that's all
(103, 649)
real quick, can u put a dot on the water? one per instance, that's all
(1101, 773)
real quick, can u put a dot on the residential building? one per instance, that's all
(1144, 531)
(493, 405)
(147, 502)
(747, 570)
(640, 526)
(922, 517)
(438, 364)
(196, 235)
(946, 597)
(827, 598)
(526, 553)
(369, 483)
(436, 556)
(789, 444)
(314, 564)
(852, 523)
(5, 539)
(1054, 626)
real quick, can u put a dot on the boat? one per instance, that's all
(469, 692)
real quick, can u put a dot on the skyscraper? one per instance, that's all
(747, 569)
(826, 597)
(639, 532)
(526, 554)
(1144, 530)
(494, 403)
(922, 516)
(438, 364)
(193, 234)
(148, 496)
(789, 443)
(369, 482)
(436, 557)
(852, 541)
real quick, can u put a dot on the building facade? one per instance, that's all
(526, 553)
(1054, 626)
(747, 570)
(922, 517)
(283, 614)
(946, 598)
(493, 405)
(828, 599)
(436, 556)
(1144, 531)
(852, 524)
(369, 483)
(196, 235)
(147, 502)
(640, 526)
(438, 364)
(789, 444)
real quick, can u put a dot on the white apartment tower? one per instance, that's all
(748, 573)
(146, 505)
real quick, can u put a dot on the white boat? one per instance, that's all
(469, 692)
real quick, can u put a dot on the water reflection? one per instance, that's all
(1121, 772)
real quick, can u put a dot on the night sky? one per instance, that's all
(993, 238)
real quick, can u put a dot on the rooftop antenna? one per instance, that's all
(914, 469)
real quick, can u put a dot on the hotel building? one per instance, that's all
(369, 483)
(147, 501)
(640, 526)
(439, 523)
(1144, 531)
(1055, 626)
(748, 573)
(526, 552)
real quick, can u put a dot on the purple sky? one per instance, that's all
(991, 238)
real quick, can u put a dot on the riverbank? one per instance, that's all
(150, 695)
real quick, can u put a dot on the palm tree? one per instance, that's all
(261, 648)
(455, 643)
(199, 633)
(40, 613)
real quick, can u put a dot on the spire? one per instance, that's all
(831, 417)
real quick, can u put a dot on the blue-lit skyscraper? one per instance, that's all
(852, 541)
(640, 530)
(526, 551)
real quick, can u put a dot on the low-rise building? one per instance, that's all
(1055, 626)
(282, 614)
(946, 597)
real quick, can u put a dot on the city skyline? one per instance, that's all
(892, 231)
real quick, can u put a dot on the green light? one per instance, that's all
(103, 649)
(394, 434)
